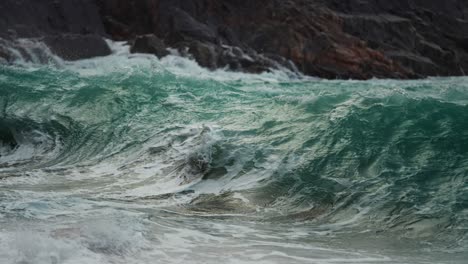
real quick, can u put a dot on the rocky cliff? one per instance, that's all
(357, 39)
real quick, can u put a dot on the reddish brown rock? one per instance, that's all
(327, 38)
(304, 32)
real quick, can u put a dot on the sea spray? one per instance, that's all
(131, 159)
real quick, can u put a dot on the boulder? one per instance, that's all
(204, 53)
(76, 47)
(5, 55)
(149, 44)
(249, 61)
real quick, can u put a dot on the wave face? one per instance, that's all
(127, 159)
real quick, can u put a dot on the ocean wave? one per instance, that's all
(382, 155)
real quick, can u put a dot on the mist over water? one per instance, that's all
(131, 159)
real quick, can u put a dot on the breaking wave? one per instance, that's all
(351, 156)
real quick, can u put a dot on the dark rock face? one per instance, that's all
(425, 36)
(72, 29)
(75, 47)
(253, 35)
(357, 39)
(149, 44)
(5, 55)
(34, 18)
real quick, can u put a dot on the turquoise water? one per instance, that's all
(130, 159)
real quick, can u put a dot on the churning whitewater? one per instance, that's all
(131, 159)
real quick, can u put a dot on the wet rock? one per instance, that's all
(5, 55)
(431, 50)
(326, 38)
(255, 36)
(232, 57)
(72, 29)
(425, 37)
(390, 30)
(75, 47)
(419, 64)
(249, 61)
(205, 54)
(149, 44)
(185, 27)
(117, 30)
(36, 18)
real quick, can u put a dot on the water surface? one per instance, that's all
(131, 159)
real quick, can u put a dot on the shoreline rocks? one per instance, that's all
(324, 38)
(149, 44)
(74, 47)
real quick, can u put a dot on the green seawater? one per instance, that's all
(129, 159)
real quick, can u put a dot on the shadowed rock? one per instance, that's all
(72, 29)
(36, 18)
(357, 39)
(254, 36)
(149, 44)
(5, 55)
(75, 47)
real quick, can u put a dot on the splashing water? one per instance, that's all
(131, 159)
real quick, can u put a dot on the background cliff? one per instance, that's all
(326, 38)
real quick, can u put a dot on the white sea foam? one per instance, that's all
(122, 59)
(179, 180)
